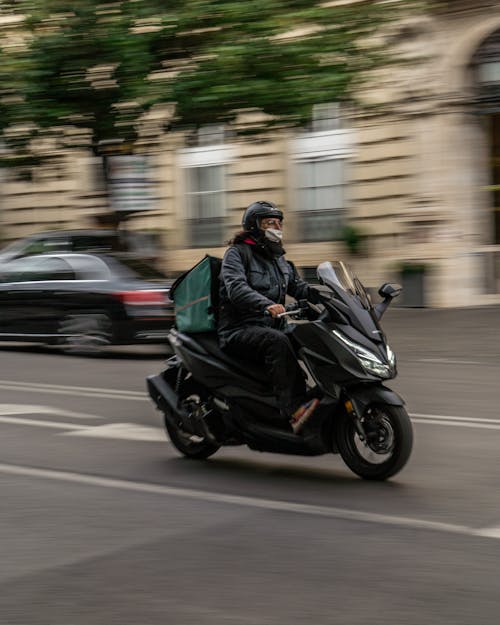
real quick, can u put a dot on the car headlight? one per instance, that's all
(368, 359)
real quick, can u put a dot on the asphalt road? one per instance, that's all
(102, 523)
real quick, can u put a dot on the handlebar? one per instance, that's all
(289, 313)
(297, 309)
(291, 310)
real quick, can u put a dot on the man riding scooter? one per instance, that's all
(255, 278)
(212, 395)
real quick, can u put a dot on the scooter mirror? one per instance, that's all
(390, 290)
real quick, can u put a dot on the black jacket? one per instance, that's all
(250, 282)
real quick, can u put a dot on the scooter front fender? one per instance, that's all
(364, 395)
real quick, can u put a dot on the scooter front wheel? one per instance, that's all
(191, 446)
(387, 446)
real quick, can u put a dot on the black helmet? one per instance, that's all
(256, 211)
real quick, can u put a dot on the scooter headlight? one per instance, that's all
(370, 361)
(391, 356)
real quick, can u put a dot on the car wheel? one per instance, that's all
(85, 334)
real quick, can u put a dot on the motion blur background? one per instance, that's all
(375, 125)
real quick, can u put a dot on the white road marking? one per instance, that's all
(130, 431)
(344, 514)
(13, 409)
(489, 532)
(459, 424)
(417, 415)
(121, 431)
(449, 361)
(42, 424)
(117, 394)
(465, 422)
(81, 391)
(116, 431)
(115, 391)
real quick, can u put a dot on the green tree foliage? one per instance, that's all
(98, 66)
(279, 56)
(86, 65)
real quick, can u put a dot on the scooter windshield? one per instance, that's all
(342, 280)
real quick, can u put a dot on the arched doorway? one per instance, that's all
(486, 66)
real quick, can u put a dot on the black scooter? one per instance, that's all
(210, 399)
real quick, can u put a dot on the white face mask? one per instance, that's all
(273, 234)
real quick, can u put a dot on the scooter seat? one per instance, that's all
(210, 343)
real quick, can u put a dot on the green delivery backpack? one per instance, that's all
(195, 294)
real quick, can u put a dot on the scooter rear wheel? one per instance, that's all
(191, 446)
(388, 445)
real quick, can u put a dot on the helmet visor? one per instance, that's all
(270, 222)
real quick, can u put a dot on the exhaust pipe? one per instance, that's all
(163, 395)
(167, 401)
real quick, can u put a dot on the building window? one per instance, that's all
(320, 199)
(205, 175)
(487, 64)
(321, 159)
(326, 117)
(206, 205)
(211, 134)
(309, 274)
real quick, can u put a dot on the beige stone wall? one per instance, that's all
(417, 176)
(422, 165)
(45, 202)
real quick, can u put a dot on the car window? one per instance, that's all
(14, 270)
(31, 246)
(104, 243)
(88, 267)
(42, 246)
(31, 269)
(15, 246)
(57, 269)
(132, 267)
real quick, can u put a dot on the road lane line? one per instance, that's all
(114, 431)
(74, 391)
(76, 388)
(488, 532)
(449, 361)
(43, 424)
(345, 514)
(13, 409)
(121, 431)
(451, 418)
(122, 395)
(468, 422)
(458, 424)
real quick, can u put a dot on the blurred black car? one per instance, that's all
(84, 302)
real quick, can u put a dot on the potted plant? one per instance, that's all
(353, 238)
(412, 275)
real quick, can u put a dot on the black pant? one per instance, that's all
(273, 349)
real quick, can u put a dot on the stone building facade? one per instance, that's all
(415, 175)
